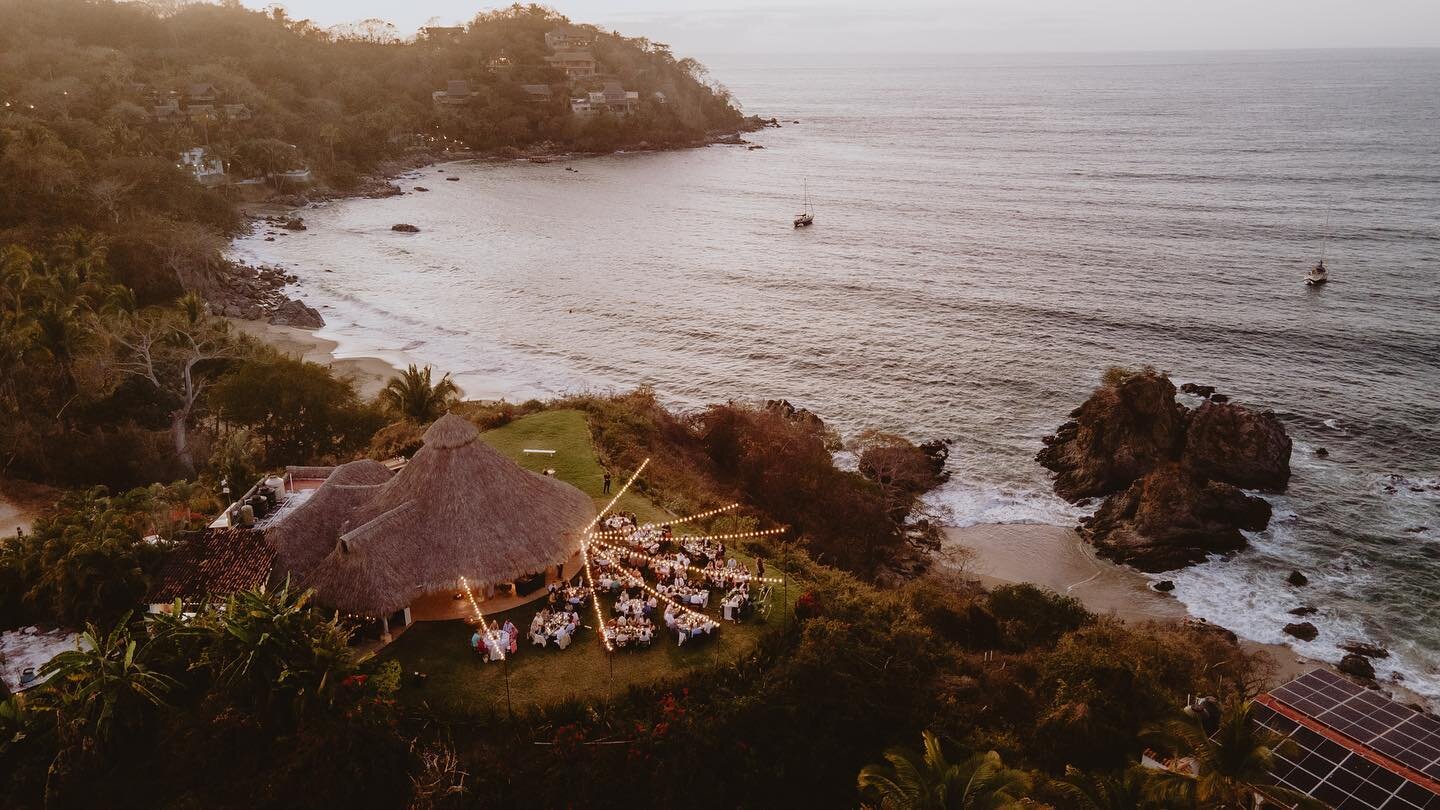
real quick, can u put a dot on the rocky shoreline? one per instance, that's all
(256, 293)
(1172, 478)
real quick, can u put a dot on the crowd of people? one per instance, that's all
(685, 569)
(495, 642)
(630, 631)
(555, 626)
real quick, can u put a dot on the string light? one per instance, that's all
(480, 617)
(616, 499)
(675, 522)
(658, 595)
(683, 538)
(651, 558)
(595, 598)
(688, 518)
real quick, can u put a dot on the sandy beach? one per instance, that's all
(1055, 557)
(21, 502)
(368, 373)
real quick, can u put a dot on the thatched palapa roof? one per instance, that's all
(371, 543)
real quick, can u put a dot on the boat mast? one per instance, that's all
(1325, 237)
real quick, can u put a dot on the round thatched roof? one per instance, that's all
(458, 508)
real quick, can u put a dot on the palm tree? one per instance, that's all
(61, 334)
(1232, 766)
(192, 307)
(17, 277)
(909, 780)
(1103, 791)
(103, 684)
(413, 396)
(84, 251)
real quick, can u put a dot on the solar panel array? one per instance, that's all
(1337, 774)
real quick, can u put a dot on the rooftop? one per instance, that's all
(214, 562)
(1357, 749)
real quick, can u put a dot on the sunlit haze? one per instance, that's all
(750, 26)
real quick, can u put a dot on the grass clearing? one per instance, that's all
(461, 684)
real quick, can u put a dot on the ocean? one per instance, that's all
(992, 233)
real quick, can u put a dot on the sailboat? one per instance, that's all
(805, 217)
(1318, 274)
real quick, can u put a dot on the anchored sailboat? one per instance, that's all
(1318, 274)
(805, 217)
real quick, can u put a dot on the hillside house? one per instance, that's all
(456, 92)
(575, 64)
(168, 109)
(568, 38)
(203, 93)
(207, 170)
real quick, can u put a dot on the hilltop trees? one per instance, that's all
(175, 352)
(297, 410)
(259, 702)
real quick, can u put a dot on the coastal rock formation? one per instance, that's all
(1229, 443)
(1357, 665)
(1297, 579)
(794, 414)
(1123, 431)
(405, 227)
(1365, 650)
(1172, 478)
(1305, 631)
(1170, 518)
(295, 313)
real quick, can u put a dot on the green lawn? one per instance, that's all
(461, 684)
(574, 462)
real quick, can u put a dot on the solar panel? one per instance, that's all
(1371, 719)
(1335, 774)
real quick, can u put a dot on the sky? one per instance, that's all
(700, 27)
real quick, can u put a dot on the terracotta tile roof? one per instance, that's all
(216, 562)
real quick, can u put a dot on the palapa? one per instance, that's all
(373, 544)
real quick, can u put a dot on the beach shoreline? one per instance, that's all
(369, 374)
(1056, 558)
(21, 503)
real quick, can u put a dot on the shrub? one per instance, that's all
(1031, 617)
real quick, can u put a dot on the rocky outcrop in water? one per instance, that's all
(1305, 631)
(1358, 666)
(1123, 431)
(297, 314)
(1170, 518)
(1226, 442)
(1171, 477)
